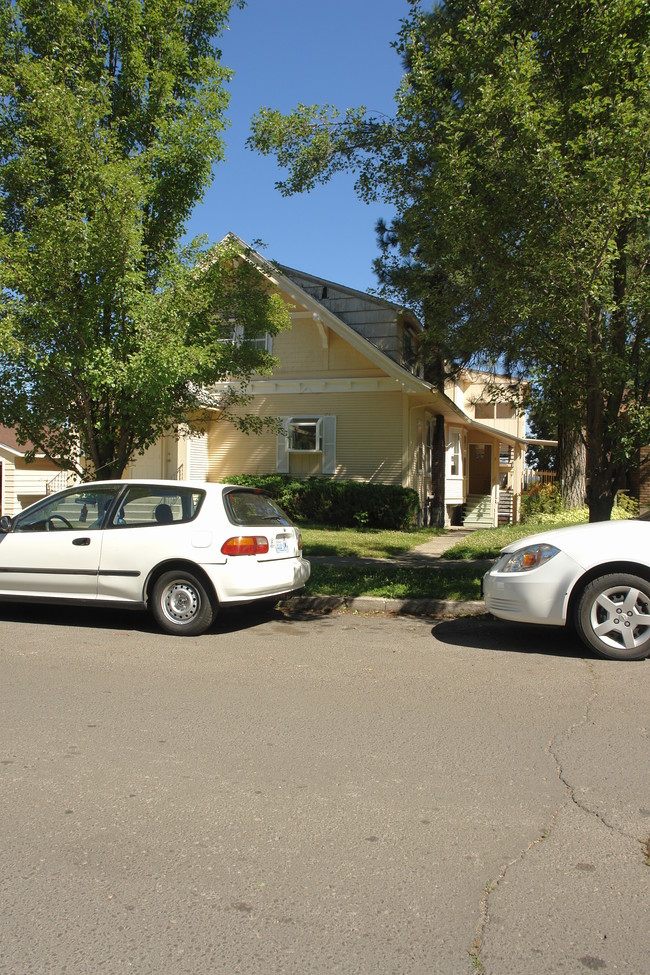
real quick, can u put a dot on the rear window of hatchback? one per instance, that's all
(253, 508)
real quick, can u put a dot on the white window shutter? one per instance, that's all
(198, 458)
(282, 460)
(329, 445)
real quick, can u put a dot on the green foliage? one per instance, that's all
(517, 165)
(540, 499)
(627, 505)
(111, 118)
(329, 502)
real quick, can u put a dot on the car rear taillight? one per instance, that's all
(299, 540)
(246, 545)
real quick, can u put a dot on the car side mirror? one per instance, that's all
(5, 524)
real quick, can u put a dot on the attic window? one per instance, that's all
(260, 341)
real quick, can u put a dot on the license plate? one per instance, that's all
(281, 545)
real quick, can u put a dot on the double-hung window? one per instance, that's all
(454, 454)
(260, 341)
(305, 433)
(307, 437)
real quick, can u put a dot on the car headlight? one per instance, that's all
(530, 557)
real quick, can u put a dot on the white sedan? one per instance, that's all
(595, 577)
(180, 549)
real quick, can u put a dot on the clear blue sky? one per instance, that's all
(284, 52)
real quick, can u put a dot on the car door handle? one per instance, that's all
(81, 541)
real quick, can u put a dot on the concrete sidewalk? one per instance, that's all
(427, 555)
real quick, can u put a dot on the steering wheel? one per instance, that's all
(49, 527)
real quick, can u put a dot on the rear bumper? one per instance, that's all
(245, 578)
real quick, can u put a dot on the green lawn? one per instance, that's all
(412, 582)
(396, 582)
(368, 544)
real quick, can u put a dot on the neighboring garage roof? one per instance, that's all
(9, 441)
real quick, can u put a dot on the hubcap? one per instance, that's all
(180, 602)
(620, 617)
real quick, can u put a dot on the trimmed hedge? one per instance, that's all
(341, 504)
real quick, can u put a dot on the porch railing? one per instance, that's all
(532, 477)
(62, 480)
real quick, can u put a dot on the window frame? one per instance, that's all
(28, 522)
(262, 342)
(454, 452)
(155, 492)
(317, 421)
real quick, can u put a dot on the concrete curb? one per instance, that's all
(399, 607)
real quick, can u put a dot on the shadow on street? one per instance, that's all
(487, 633)
(229, 619)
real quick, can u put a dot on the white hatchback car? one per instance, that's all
(180, 549)
(595, 577)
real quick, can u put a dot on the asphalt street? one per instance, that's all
(299, 793)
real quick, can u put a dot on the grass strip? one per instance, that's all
(369, 544)
(486, 543)
(396, 582)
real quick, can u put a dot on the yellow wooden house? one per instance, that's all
(353, 404)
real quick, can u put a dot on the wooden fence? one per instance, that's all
(533, 477)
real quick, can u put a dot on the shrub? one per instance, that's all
(341, 504)
(541, 499)
(630, 506)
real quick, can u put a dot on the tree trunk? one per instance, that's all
(438, 459)
(572, 458)
(601, 495)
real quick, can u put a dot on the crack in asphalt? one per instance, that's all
(493, 885)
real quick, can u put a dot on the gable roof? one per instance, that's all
(348, 304)
(323, 317)
(283, 278)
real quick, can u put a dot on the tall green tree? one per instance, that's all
(517, 161)
(112, 115)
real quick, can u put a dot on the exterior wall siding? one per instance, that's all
(472, 391)
(377, 320)
(8, 493)
(300, 351)
(369, 439)
(24, 483)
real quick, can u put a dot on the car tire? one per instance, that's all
(613, 616)
(181, 604)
